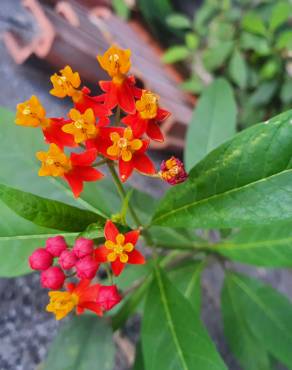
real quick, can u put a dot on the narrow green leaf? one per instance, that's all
(215, 56)
(139, 360)
(268, 314)
(286, 91)
(269, 246)
(181, 342)
(212, 123)
(83, 343)
(179, 21)
(284, 41)
(244, 345)
(46, 212)
(245, 182)
(192, 40)
(237, 69)
(175, 54)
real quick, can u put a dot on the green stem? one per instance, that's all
(100, 163)
(109, 274)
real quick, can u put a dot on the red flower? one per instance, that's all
(120, 144)
(122, 94)
(108, 297)
(85, 101)
(53, 133)
(75, 169)
(119, 249)
(147, 117)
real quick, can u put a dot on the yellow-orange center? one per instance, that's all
(61, 303)
(82, 127)
(118, 249)
(54, 162)
(124, 147)
(147, 106)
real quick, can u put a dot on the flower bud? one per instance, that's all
(108, 297)
(67, 259)
(86, 268)
(83, 247)
(173, 171)
(56, 245)
(40, 259)
(52, 278)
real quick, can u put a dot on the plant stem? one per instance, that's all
(100, 163)
(109, 274)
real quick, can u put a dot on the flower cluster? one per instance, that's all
(89, 129)
(89, 137)
(58, 262)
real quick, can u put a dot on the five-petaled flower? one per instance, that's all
(81, 296)
(31, 113)
(119, 249)
(66, 84)
(121, 90)
(120, 144)
(147, 117)
(82, 126)
(76, 169)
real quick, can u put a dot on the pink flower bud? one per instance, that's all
(173, 171)
(52, 278)
(83, 247)
(86, 268)
(67, 259)
(108, 297)
(40, 259)
(56, 245)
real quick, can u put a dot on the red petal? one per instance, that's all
(125, 169)
(75, 184)
(105, 85)
(154, 132)
(162, 114)
(111, 96)
(87, 173)
(126, 98)
(138, 124)
(55, 134)
(108, 297)
(143, 164)
(100, 254)
(136, 258)
(103, 121)
(89, 294)
(132, 236)
(81, 286)
(117, 267)
(84, 159)
(87, 102)
(79, 310)
(70, 287)
(110, 231)
(92, 306)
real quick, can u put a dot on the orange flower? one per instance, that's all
(66, 84)
(147, 117)
(173, 171)
(82, 126)
(81, 296)
(121, 90)
(120, 144)
(75, 169)
(119, 249)
(31, 113)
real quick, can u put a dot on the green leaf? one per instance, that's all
(244, 345)
(193, 85)
(180, 338)
(121, 9)
(253, 23)
(246, 181)
(192, 40)
(269, 246)
(83, 343)
(264, 93)
(175, 54)
(280, 14)
(267, 312)
(187, 279)
(215, 56)
(46, 212)
(139, 360)
(237, 69)
(284, 40)
(213, 122)
(270, 69)
(286, 91)
(259, 44)
(179, 21)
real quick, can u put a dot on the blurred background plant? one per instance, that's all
(247, 42)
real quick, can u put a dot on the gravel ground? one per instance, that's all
(25, 328)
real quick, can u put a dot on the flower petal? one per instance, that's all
(143, 164)
(100, 254)
(154, 132)
(84, 159)
(136, 258)
(125, 169)
(75, 184)
(117, 267)
(132, 236)
(110, 231)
